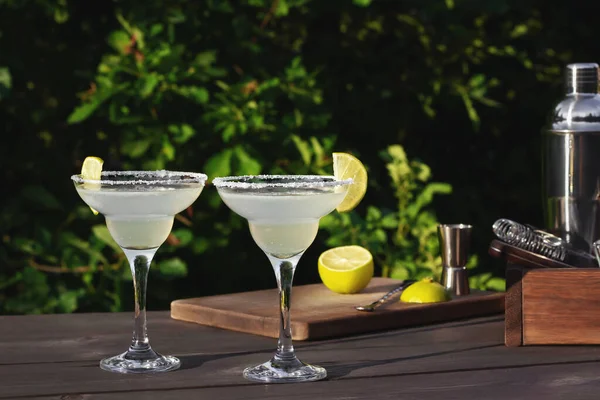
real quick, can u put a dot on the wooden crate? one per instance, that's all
(547, 302)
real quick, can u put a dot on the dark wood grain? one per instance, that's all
(549, 302)
(428, 350)
(319, 313)
(90, 337)
(513, 306)
(561, 306)
(563, 381)
(459, 359)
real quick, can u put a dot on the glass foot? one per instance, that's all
(136, 362)
(284, 371)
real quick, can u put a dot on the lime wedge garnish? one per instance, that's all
(347, 166)
(92, 169)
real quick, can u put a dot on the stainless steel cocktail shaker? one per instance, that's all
(571, 160)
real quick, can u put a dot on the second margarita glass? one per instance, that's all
(283, 213)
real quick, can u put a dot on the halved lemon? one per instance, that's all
(426, 290)
(346, 269)
(347, 166)
(92, 169)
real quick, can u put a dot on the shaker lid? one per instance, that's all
(581, 78)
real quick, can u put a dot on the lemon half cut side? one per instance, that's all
(426, 290)
(346, 269)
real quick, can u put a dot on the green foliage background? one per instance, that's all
(442, 100)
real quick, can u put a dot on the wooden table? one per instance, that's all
(56, 357)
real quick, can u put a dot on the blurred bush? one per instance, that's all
(269, 86)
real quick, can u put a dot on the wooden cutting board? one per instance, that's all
(319, 313)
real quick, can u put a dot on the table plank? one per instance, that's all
(90, 337)
(564, 381)
(438, 349)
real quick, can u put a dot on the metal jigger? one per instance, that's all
(454, 244)
(596, 247)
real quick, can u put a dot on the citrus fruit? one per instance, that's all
(92, 169)
(425, 291)
(346, 269)
(347, 166)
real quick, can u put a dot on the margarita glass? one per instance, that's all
(139, 208)
(283, 213)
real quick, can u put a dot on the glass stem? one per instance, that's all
(284, 272)
(139, 262)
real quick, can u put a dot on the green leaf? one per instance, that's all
(477, 80)
(282, 8)
(269, 83)
(40, 196)
(69, 239)
(362, 3)
(200, 245)
(82, 112)
(5, 82)
(399, 272)
(61, 15)
(27, 246)
(101, 232)
(136, 148)
(184, 235)
(303, 148)
(497, 284)
(380, 236)
(426, 197)
(120, 41)
(167, 148)
(471, 111)
(147, 84)
(198, 94)
(67, 301)
(156, 29)
(390, 221)
(373, 214)
(317, 148)
(247, 164)
(175, 15)
(219, 164)
(519, 30)
(181, 133)
(397, 153)
(205, 59)
(173, 268)
(228, 132)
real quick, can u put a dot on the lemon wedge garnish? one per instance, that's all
(92, 169)
(346, 269)
(347, 166)
(425, 291)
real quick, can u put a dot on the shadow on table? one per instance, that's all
(335, 370)
(401, 331)
(190, 361)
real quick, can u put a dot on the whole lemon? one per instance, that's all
(425, 291)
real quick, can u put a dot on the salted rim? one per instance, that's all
(164, 178)
(305, 181)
